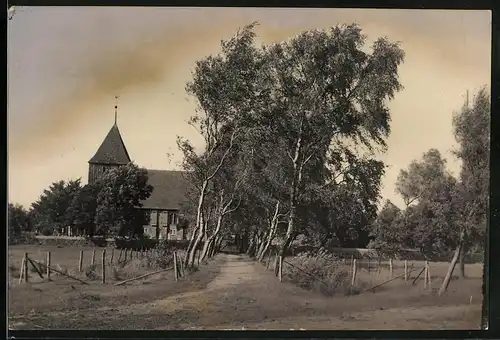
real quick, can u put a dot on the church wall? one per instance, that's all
(163, 224)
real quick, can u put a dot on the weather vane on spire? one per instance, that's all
(116, 108)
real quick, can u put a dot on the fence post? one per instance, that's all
(24, 269)
(354, 270)
(406, 270)
(352, 259)
(390, 267)
(112, 256)
(280, 272)
(181, 262)
(92, 261)
(80, 261)
(26, 274)
(429, 274)
(125, 255)
(426, 274)
(103, 264)
(120, 256)
(175, 267)
(48, 265)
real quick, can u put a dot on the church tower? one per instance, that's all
(111, 154)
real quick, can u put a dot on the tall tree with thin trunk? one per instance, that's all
(471, 127)
(325, 93)
(223, 86)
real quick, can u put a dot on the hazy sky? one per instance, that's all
(66, 64)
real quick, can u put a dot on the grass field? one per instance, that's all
(232, 292)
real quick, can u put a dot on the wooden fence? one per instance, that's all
(97, 261)
(365, 267)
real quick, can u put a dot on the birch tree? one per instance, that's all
(223, 86)
(471, 127)
(324, 92)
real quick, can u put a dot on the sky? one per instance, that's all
(67, 64)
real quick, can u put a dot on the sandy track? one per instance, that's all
(244, 295)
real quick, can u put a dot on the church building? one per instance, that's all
(169, 188)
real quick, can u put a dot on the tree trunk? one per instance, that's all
(213, 249)
(199, 225)
(249, 250)
(218, 244)
(294, 194)
(190, 245)
(262, 245)
(290, 235)
(270, 234)
(461, 261)
(211, 240)
(447, 279)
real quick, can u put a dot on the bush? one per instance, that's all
(161, 256)
(46, 231)
(91, 272)
(329, 275)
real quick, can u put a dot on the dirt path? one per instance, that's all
(244, 295)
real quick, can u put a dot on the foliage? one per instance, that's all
(442, 212)
(18, 220)
(299, 110)
(91, 272)
(122, 190)
(387, 230)
(328, 275)
(160, 257)
(324, 96)
(51, 211)
(82, 210)
(471, 127)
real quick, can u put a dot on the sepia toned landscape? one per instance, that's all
(324, 173)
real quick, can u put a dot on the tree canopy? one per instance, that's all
(302, 108)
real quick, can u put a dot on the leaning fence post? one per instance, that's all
(120, 256)
(390, 267)
(92, 261)
(354, 270)
(48, 265)
(24, 269)
(280, 271)
(406, 270)
(125, 255)
(176, 274)
(112, 255)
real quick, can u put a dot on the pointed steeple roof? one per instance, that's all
(112, 149)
